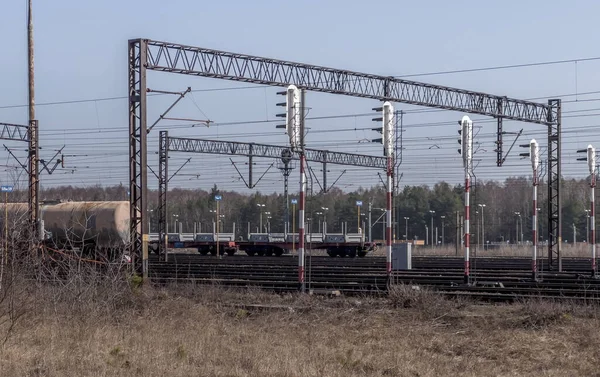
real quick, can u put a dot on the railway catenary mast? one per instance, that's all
(534, 153)
(151, 55)
(466, 141)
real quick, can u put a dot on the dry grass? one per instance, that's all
(208, 331)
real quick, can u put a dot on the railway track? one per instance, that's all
(498, 279)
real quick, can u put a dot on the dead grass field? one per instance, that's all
(207, 331)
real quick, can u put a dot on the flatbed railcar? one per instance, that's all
(336, 245)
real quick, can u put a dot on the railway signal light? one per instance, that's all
(533, 154)
(590, 157)
(293, 115)
(386, 129)
(465, 130)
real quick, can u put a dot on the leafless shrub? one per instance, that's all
(423, 302)
(539, 313)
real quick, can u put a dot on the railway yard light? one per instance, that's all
(591, 160)
(260, 206)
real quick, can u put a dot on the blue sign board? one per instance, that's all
(218, 197)
(359, 203)
(6, 188)
(294, 201)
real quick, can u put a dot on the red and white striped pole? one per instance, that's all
(294, 126)
(534, 154)
(466, 131)
(301, 224)
(467, 235)
(591, 158)
(388, 225)
(534, 227)
(388, 150)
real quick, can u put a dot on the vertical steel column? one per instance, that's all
(138, 164)
(554, 185)
(250, 162)
(500, 134)
(325, 171)
(163, 187)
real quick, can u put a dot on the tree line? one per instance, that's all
(499, 210)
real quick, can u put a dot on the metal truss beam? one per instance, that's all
(554, 185)
(178, 144)
(145, 54)
(138, 171)
(177, 58)
(15, 132)
(163, 181)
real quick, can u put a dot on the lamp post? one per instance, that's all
(319, 214)
(482, 206)
(432, 214)
(260, 206)
(442, 217)
(358, 205)
(587, 226)
(325, 209)
(517, 230)
(175, 223)
(268, 214)
(406, 228)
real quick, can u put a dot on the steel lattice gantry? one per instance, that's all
(145, 54)
(177, 144)
(28, 134)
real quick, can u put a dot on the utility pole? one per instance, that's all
(370, 222)
(34, 183)
(432, 213)
(591, 160)
(443, 218)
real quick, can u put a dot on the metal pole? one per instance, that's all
(370, 223)
(443, 230)
(357, 219)
(467, 235)
(217, 231)
(406, 228)
(294, 228)
(593, 221)
(482, 229)
(432, 243)
(388, 237)
(33, 133)
(534, 227)
(574, 235)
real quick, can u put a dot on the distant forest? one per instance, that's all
(502, 200)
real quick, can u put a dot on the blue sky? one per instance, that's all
(81, 53)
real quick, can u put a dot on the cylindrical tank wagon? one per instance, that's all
(88, 226)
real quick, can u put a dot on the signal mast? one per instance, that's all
(466, 141)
